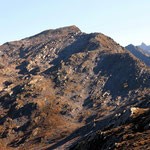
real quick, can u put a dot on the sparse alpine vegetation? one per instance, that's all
(65, 89)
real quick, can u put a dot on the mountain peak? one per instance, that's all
(144, 47)
(61, 85)
(71, 28)
(130, 45)
(74, 27)
(143, 44)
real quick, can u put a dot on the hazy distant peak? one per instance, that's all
(143, 44)
(144, 47)
(130, 45)
(139, 53)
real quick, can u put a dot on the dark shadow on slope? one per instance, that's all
(82, 132)
(35, 70)
(25, 52)
(7, 83)
(22, 68)
(23, 127)
(144, 102)
(99, 141)
(6, 101)
(26, 110)
(22, 52)
(18, 141)
(88, 102)
(17, 89)
(121, 71)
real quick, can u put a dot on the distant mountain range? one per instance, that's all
(145, 47)
(139, 53)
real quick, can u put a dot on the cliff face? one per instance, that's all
(61, 86)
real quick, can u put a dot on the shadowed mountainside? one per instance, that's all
(139, 53)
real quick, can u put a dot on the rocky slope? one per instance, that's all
(61, 86)
(139, 53)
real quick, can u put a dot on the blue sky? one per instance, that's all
(126, 21)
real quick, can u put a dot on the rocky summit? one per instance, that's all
(64, 89)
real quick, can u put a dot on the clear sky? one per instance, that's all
(126, 21)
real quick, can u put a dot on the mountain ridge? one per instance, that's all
(144, 47)
(64, 85)
(139, 53)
